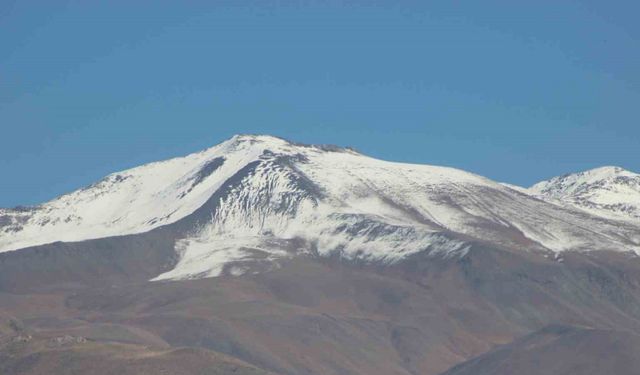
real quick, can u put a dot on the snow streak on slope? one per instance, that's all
(255, 199)
(608, 191)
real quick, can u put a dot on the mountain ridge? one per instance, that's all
(254, 199)
(609, 191)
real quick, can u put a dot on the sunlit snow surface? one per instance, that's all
(274, 199)
(133, 201)
(608, 191)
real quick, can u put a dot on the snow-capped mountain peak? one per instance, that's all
(142, 198)
(607, 191)
(254, 199)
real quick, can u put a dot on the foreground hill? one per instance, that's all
(559, 350)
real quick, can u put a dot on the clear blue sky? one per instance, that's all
(516, 92)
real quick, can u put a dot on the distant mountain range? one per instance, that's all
(270, 256)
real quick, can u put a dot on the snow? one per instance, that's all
(128, 202)
(381, 211)
(610, 192)
(314, 200)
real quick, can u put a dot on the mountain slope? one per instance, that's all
(132, 201)
(610, 192)
(560, 350)
(323, 316)
(242, 205)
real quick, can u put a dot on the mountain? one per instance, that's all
(261, 255)
(252, 200)
(611, 192)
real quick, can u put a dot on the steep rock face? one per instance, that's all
(245, 204)
(610, 192)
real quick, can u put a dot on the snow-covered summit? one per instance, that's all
(139, 199)
(611, 192)
(259, 198)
